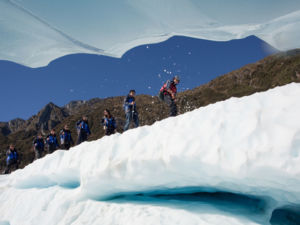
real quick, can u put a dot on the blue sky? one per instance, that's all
(82, 76)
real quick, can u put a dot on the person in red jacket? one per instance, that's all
(168, 94)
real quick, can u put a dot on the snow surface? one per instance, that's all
(249, 147)
(35, 32)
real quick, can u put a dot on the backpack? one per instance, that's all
(161, 96)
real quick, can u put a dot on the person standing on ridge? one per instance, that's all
(65, 138)
(38, 146)
(108, 122)
(12, 159)
(83, 130)
(130, 110)
(52, 142)
(168, 93)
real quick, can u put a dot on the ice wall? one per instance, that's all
(35, 32)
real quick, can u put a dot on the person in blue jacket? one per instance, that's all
(38, 146)
(52, 142)
(12, 158)
(130, 110)
(108, 122)
(66, 140)
(83, 130)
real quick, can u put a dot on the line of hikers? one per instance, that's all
(166, 94)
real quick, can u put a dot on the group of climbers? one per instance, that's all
(166, 94)
(66, 141)
(51, 142)
(131, 114)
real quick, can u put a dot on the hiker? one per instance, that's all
(108, 122)
(12, 159)
(52, 142)
(130, 110)
(168, 94)
(65, 138)
(38, 146)
(83, 130)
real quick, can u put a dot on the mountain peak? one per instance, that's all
(50, 116)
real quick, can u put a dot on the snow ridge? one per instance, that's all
(244, 149)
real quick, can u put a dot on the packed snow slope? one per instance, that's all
(245, 150)
(34, 32)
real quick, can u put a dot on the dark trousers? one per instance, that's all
(51, 148)
(38, 153)
(172, 105)
(9, 165)
(131, 115)
(109, 131)
(82, 137)
(66, 146)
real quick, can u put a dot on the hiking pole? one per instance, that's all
(132, 114)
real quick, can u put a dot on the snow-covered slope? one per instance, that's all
(171, 172)
(35, 32)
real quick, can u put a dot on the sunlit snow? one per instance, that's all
(246, 147)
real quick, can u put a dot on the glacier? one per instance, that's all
(33, 33)
(232, 162)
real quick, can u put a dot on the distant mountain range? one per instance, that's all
(144, 68)
(275, 70)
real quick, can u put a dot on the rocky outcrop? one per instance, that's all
(12, 126)
(46, 119)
